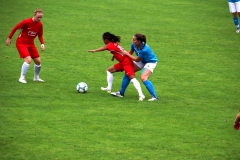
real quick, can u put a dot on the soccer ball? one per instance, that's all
(82, 87)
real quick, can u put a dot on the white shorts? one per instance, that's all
(139, 64)
(150, 66)
(234, 7)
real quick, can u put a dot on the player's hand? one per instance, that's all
(91, 51)
(236, 125)
(8, 41)
(42, 47)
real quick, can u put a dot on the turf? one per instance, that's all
(196, 79)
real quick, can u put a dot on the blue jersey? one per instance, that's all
(233, 1)
(146, 54)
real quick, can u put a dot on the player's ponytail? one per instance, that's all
(111, 37)
(141, 37)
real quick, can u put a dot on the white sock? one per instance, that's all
(24, 70)
(137, 86)
(109, 80)
(37, 69)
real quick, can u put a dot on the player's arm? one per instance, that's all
(136, 59)
(99, 49)
(18, 26)
(131, 52)
(40, 37)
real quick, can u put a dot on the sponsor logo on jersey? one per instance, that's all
(32, 33)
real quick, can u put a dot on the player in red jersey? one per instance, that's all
(124, 62)
(237, 121)
(29, 29)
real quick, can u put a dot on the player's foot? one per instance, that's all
(153, 99)
(141, 98)
(117, 94)
(238, 30)
(106, 89)
(38, 80)
(22, 80)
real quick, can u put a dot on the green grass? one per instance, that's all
(197, 80)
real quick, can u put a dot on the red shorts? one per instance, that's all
(25, 50)
(126, 65)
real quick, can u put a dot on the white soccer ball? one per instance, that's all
(82, 87)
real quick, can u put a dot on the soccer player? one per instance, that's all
(29, 29)
(124, 62)
(234, 7)
(237, 121)
(146, 59)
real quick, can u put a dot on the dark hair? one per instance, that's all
(111, 37)
(141, 37)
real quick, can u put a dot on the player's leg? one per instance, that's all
(233, 9)
(146, 72)
(37, 63)
(237, 4)
(129, 71)
(37, 68)
(137, 86)
(24, 53)
(110, 72)
(126, 80)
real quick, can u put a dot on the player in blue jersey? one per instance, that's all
(234, 8)
(145, 60)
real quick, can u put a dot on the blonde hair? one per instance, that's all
(38, 10)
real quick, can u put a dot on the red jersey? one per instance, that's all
(125, 63)
(116, 50)
(29, 31)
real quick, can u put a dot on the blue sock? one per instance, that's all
(235, 19)
(150, 88)
(125, 83)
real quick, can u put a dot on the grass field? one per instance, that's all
(197, 81)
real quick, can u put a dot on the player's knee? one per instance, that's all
(37, 61)
(111, 69)
(131, 76)
(27, 59)
(143, 78)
